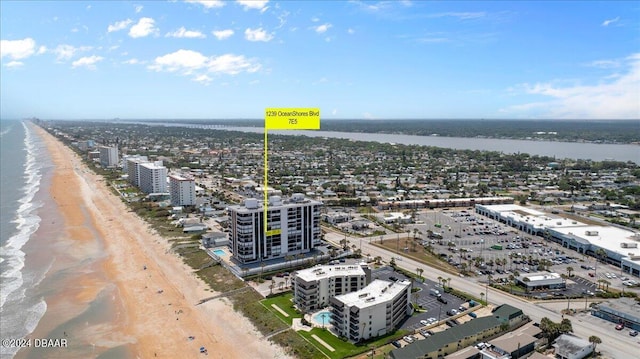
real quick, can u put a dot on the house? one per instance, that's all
(571, 347)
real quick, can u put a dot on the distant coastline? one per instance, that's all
(571, 131)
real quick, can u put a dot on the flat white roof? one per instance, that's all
(540, 276)
(609, 238)
(378, 291)
(328, 271)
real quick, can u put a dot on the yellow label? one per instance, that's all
(292, 119)
(273, 232)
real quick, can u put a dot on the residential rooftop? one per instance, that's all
(378, 291)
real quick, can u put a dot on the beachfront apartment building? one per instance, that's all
(131, 165)
(182, 190)
(375, 310)
(292, 227)
(312, 287)
(153, 177)
(108, 156)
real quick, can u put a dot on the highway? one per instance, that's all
(615, 344)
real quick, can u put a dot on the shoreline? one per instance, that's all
(147, 323)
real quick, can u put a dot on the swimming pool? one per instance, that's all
(219, 252)
(322, 318)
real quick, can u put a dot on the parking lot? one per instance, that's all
(461, 236)
(426, 300)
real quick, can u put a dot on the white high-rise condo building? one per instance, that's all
(293, 227)
(108, 156)
(131, 165)
(182, 190)
(313, 287)
(153, 177)
(375, 310)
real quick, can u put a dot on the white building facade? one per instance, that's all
(108, 156)
(182, 190)
(153, 177)
(313, 287)
(375, 310)
(130, 165)
(293, 227)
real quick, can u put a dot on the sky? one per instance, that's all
(352, 59)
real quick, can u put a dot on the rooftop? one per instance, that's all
(538, 276)
(327, 271)
(378, 291)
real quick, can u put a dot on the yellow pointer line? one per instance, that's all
(266, 173)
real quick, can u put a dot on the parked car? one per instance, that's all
(396, 344)
(633, 333)
(442, 300)
(452, 312)
(424, 322)
(408, 339)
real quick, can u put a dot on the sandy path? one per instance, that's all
(159, 322)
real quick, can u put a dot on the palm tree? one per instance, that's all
(595, 340)
(569, 270)
(419, 272)
(440, 281)
(449, 283)
(547, 327)
(481, 297)
(262, 265)
(565, 326)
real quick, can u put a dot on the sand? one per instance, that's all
(154, 324)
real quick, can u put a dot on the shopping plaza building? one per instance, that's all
(619, 245)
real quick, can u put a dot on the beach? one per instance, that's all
(122, 293)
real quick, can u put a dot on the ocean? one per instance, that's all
(24, 167)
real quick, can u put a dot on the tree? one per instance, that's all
(569, 270)
(595, 340)
(392, 262)
(262, 265)
(419, 272)
(565, 326)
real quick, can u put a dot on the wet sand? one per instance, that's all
(110, 305)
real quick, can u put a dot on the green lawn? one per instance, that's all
(283, 301)
(345, 349)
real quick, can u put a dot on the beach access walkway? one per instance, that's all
(225, 294)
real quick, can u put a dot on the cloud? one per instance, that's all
(144, 27)
(257, 35)
(88, 62)
(138, 8)
(610, 21)
(254, 4)
(321, 29)
(460, 15)
(184, 33)
(613, 97)
(42, 50)
(222, 34)
(351, 31)
(232, 64)
(65, 52)
(203, 79)
(605, 64)
(207, 4)
(132, 61)
(189, 62)
(14, 64)
(119, 25)
(17, 49)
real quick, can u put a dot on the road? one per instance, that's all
(615, 344)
